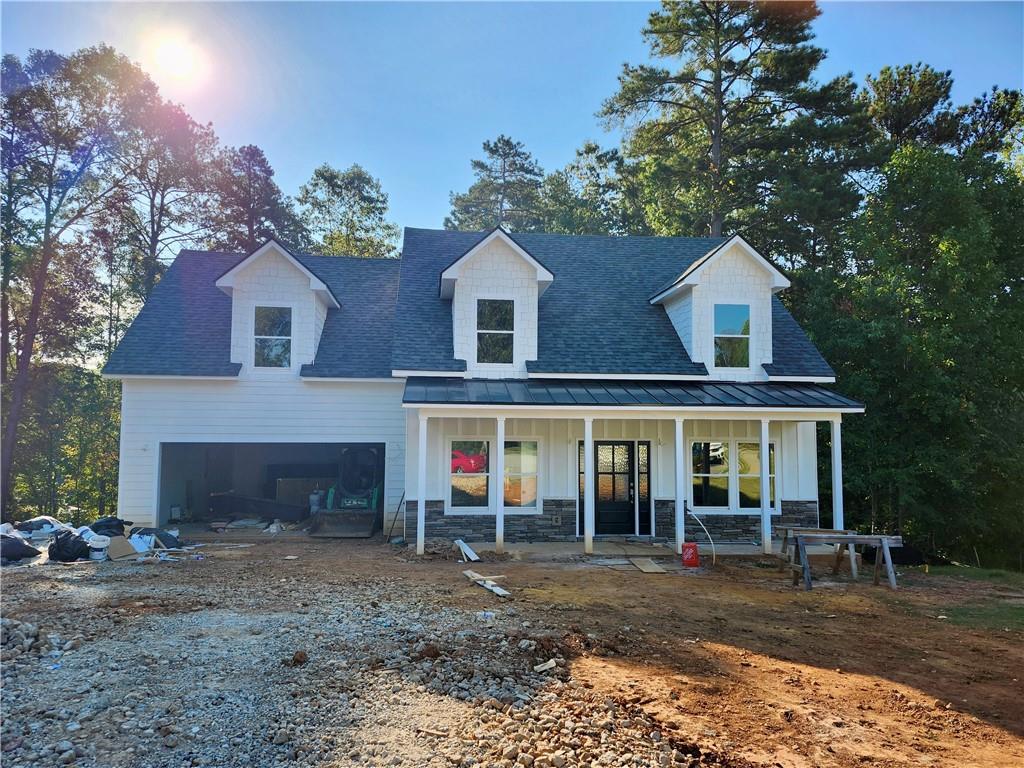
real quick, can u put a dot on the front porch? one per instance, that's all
(730, 464)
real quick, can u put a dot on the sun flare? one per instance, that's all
(174, 60)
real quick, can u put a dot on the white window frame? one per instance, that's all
(477, 330)
(492, 488)
(749, 336)
(734, 508)
(291, 339)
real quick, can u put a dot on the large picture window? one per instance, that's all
(495, 330)
(732, 336)
(273, 337)
(710, 467)
(748, 473)
(470, 473)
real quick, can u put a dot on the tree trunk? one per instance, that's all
(716, 132)
(19, 386)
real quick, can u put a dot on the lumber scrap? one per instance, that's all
(486, 583)
(647, 565)
(467, 551)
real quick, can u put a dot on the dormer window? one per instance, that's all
(732, 335)
(495, 327)
(273, 333)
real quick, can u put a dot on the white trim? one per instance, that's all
(802, 379)
(169, 376)
(293, 364)
(632, 411)
(691, 275)
(401, 373)
(624, 376)
(226, 282)
(353, 380)
(451, 273)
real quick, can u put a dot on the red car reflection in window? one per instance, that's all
(468, 462)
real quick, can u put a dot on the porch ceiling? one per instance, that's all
(423, 390)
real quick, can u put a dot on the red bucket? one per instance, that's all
(690, 557)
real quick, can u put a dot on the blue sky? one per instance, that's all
(410, 91)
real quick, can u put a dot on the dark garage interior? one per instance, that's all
(225, 481)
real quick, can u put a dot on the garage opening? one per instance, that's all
(282, 481)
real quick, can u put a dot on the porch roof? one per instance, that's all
(423, 390)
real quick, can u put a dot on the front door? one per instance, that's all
(615, 485)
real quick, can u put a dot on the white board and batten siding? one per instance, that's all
(558, 441)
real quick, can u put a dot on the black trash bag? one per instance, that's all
(111, 526)
(38, 523)
(13, 547)
(167, 540)
(68, 546)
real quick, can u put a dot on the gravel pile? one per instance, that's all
(285, 671)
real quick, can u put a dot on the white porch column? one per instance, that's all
(588, 485)
(766, 496)
(499, 490)
(837, 475)
(421, 485)
(680, 486)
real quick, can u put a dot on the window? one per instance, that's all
(710, 465)
(732, 336)
(273, 331)
(749, 474)
(494, 330)
(718, 467)
(470, 473)
(520, 487)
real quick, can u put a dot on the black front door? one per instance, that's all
(614, 486)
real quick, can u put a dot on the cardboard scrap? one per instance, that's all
(120, 548)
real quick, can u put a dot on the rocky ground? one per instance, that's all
(355, 654)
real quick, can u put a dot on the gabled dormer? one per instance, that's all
(494, 288)
(278, 310)
(721, 307)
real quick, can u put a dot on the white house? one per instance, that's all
(507, 387)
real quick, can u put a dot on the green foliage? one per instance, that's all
(249, 207)
(714, 109)
(345, 213)
(506, 191)
(68, 445)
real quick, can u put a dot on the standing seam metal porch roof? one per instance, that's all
(425, 390)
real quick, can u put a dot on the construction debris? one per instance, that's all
(487, 582)
(549, 664)
(647, 565)
(467, 552)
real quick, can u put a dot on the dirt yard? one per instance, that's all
(358, 654)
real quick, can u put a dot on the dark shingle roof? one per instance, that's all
(793, 354)
(595, 317)
(184, 329)
(356, 341)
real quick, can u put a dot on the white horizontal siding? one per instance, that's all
(286, 410)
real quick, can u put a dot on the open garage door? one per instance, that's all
(225, 481)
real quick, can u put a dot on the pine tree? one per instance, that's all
(706, 129)
(506, 191)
